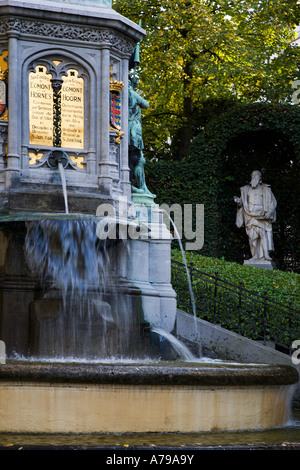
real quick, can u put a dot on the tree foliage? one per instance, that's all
(200, 50)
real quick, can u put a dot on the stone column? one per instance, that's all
(13, 158)
(124, 164)
(105, 178)
(91, 159)
(160, 268)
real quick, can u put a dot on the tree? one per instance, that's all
(204, 50)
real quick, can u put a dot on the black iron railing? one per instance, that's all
(236, 308)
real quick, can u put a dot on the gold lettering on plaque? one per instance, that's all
(40, 107)
(72, 111)
(41, 117)
(3, 85)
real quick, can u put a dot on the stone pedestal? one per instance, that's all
(260, 263)
(143, 199)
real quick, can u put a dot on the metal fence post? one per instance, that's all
(240, 306)
(215, 296)
(191, 279)
(290, 327)
(265, 315)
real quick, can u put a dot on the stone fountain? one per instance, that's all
(81, 301)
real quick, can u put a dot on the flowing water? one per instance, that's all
(66, 253)
(185, 264)
(87, 316)
(191, 292)
(82, 313)
(183, 352)
(64, 185)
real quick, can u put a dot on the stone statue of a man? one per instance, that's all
(257, 211)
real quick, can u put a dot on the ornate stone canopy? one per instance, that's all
(87, 41)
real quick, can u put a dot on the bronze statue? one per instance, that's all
(135, 141)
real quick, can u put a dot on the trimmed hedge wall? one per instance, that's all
(182, 183)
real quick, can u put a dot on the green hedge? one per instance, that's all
(187, 183)
(226, 305)
(280, 286)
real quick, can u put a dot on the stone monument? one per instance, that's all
(257, 211)
(61, 62)
(64, 131)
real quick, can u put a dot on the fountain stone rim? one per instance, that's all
(196, 374)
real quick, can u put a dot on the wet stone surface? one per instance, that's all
(156, 374)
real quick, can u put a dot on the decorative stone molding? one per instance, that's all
(3, 138)
(39, 158)
(3, 145)
(65, 31)
(59, 69)
(114, 149)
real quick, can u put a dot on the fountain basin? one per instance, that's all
(82, 398)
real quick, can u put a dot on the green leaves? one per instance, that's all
(200, 49)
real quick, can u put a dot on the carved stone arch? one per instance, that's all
(68, 60)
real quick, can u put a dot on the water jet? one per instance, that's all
(86, 317)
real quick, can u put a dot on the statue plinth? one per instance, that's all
(143, 198)
(260, 263)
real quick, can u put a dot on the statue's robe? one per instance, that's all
(255, 226)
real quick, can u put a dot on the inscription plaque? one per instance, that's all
(3, 85)
(2, 96)
(40, 107)
(72, 111)
(41, 114)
